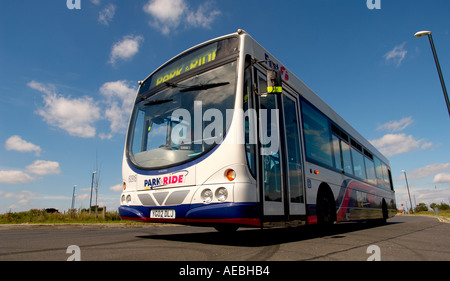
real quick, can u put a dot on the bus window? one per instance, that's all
(337, 153)
(346, 158)
(293, 151)
(358, 164)
(249, 123)
(317, 135)
(139, 142)
(271, 155)
(370, 171)
(386, 179)
(379, 172)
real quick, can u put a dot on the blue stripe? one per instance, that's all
(197, 211)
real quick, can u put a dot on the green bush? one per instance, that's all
(72, 216)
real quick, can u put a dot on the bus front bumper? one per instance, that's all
(206, 214)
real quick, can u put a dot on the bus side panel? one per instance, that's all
(355, 200)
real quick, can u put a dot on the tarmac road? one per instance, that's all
(403, 238)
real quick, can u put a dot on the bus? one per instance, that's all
(224, 135)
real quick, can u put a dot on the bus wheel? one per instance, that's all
(326, 209)
(385, 212)
(226, 228)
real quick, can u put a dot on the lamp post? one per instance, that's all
(407, 186)
(444, 89)
(92, 186)
(73, 196)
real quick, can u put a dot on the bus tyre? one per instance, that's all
(326, 209)
(226, 228)
(385, 212)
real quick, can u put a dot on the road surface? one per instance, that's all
(403, 238)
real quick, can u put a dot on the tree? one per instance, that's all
(442, 206)
(422, 207)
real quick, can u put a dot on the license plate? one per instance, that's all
(162, 214)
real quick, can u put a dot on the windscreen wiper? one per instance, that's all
(204, 86)
(155, 102)
(195, 87)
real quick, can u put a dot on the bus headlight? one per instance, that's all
(128, 199)
(123, 199)
(207, 195)
(221, 194)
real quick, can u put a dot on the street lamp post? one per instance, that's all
(407, 186)
(92, 186)
(73, 196)
(444, 89)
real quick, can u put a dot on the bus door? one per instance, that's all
(280, 177)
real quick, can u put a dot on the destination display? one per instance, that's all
(191, 61)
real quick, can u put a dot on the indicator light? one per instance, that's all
(230, 174)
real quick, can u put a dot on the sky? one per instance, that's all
(69, 72)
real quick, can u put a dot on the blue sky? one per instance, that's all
(69, 77)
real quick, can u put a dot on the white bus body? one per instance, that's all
(211, 143)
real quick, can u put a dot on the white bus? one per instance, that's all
(224, 135)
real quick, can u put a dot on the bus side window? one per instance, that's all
(370, 170)
(317, 135)
(337, 153)
(358, 164)
(346, 158)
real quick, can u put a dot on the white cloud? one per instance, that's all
(117, 187)
(392, 144)
(15, 177)
(18, 144)
(395, 126)
(428, 170)
(396, 55)
(42, 167)
(38, 167)
(126, 48)
(78, 116)
(203, 17)
(106, 15)
(120, 97)
(442, 178)
(168, 15)
(74, 115)
(425, 195)
(26, 198)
